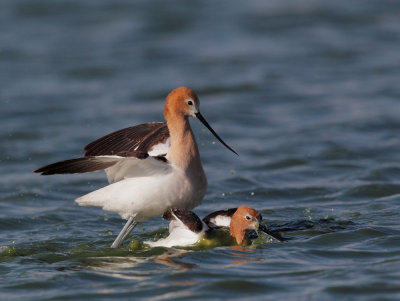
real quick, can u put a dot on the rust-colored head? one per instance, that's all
(181, 102)
(245, 218)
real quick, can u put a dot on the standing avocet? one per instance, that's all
(151, 167)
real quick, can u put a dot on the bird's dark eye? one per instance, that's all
(190, 103)
(248, 217)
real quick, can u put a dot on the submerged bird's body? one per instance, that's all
(186, 228)
(150, 167)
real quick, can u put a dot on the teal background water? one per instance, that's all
(307, 92)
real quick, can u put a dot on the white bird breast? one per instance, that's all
(143, 188)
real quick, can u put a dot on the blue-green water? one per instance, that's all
(306, 91)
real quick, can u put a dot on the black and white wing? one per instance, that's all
(138, 150)
(219, 219)
(185, 229)
(187, 218)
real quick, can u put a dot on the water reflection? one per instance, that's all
(244, 254)
(121, 267)
(172, 296)
(169, 260)
(126, 267)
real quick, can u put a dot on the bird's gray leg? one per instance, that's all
(130, 224)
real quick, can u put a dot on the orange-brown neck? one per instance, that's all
(184, 151)
(237, 232)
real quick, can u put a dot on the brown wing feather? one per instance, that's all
(139, 138)
(78, 165)
(189, 218)
(135, 141)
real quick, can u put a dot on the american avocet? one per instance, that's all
(151, 167)
(186, 228)
(236, 220)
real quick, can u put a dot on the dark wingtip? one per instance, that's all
(40, 170)
(44, 171)
(77, 165)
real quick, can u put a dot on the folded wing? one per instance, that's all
(219, 219)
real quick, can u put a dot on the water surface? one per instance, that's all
(306, 92)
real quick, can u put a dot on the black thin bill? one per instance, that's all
(203, 121)
(275, 235)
